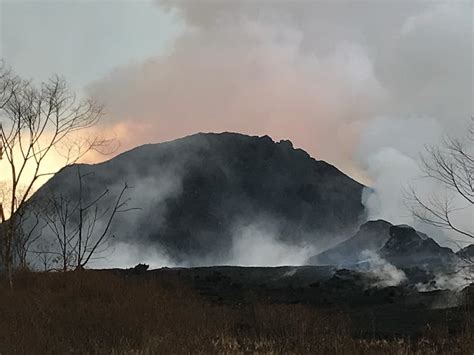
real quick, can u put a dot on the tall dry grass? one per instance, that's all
(100, 313)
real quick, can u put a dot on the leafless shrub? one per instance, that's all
(81, 226)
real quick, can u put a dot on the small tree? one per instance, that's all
(45, 257)
(58, 219)
(29, 229)
(74, 222)
(451, 165)
(37, 120)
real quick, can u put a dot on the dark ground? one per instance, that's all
(227, 310)
(389, 312)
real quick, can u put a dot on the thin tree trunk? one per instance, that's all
(8, 250)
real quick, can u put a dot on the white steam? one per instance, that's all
(126, 255)
(385, 273)
(455, 280)
(258, 244)
(390, 153)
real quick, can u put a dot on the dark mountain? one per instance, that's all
(371, 236)
(401, 245)
(467, 253)
(197, 193)
(406, 247)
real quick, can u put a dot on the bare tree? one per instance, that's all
(28, 226)
(81, 226)
(37, 120)
(451, 165)
(7, 85)
(45, 257)
(29, 229)
(58, 217)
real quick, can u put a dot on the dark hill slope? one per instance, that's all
(406, 247)
(401, 245)
(197, 192)
(467, 253)
(371, 236)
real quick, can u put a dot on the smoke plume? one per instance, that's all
(363, 85)
(385, 273)
(258, 244)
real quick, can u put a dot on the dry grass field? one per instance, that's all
(93, 312)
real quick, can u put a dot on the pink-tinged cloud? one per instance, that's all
(247, 78)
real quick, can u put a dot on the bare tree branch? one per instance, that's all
(81, 225)
(452, 165)
(35, 121)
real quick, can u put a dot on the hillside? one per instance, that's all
(201, 193)
(371, 236)
(401, 245)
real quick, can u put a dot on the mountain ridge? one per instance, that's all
(201, 192)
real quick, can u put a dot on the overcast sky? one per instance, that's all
(82, 40)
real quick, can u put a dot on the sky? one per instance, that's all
(364, 85)
(82, 40)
